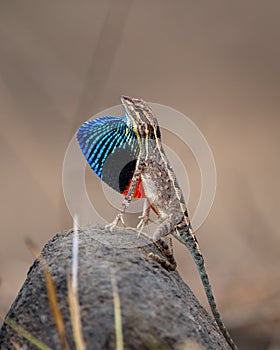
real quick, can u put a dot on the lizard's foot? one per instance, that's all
(165, 263)
(144, 219)
(168, 262)
(114, 223)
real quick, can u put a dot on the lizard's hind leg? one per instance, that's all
(165, 228)
(168, 262)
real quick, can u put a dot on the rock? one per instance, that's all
(158, 309)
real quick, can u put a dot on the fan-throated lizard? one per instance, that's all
(148, 175)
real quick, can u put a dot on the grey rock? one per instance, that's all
(158, 309)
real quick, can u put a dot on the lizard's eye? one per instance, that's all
(140, 105)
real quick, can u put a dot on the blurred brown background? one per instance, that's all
(215, 61)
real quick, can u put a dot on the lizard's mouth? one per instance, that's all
(126, 99)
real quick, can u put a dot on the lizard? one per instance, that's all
(150, 175)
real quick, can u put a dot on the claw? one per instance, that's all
(144, 220)
(114, 223)
(122, 220)
(110, 226)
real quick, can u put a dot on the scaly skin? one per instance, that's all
(165, 195)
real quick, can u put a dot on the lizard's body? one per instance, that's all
(164, 195)
(139, 133)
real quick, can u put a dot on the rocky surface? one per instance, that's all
(158, 309)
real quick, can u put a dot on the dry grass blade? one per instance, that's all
(16, 345)
(51, 295)
(75, 253)
(117, 313)
(25, 334)
(73, 293)
(75, 317)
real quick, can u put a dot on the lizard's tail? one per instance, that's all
(189, 239)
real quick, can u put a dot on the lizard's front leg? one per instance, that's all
(145, 217)
(128, 197)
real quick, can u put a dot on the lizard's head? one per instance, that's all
(140, 116)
